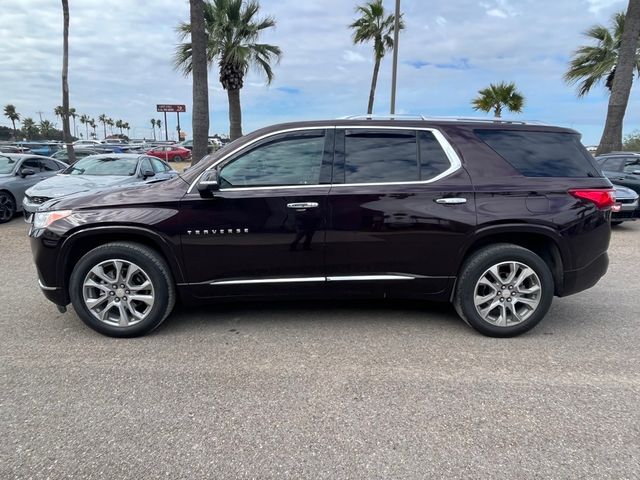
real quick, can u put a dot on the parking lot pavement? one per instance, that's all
(322, 390)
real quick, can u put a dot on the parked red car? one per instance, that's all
(170, 153)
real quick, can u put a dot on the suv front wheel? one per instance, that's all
(122, 289)
(504, 290)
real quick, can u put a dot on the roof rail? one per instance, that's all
(440, 119)
(390, 116)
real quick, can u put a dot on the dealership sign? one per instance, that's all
(164, 107)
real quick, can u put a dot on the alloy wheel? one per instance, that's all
(507, 294)
(7, 207)
(118, 293)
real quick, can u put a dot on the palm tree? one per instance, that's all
(92, 124)
(66, 134)
(119, 124)
(153, 127)
(591, 65)
(233, 29)
(73, 115)
(102, 118)
(496, 97)
(127, 127)
(84, 120)
(58, 111)
(29, 128)
(159, 125)
(46, 128)
(11, 113)
(628, 54)
(111, 123)
(373, 25)
(200, 89)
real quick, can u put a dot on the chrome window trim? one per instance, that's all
(452, 156)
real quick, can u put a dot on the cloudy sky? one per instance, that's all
(121, 51)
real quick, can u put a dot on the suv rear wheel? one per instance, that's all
(122, 289)
(504, 290)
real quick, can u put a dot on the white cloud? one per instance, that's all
(495, 12)
(353, 57)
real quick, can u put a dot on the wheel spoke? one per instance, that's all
(124, 316)
(131, 271)
(148, 299)
(92, 303)
(513, 269)
(533, 304)
(99, 272)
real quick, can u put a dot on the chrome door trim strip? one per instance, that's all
(269, 280)
(453, 157)
(364, 278)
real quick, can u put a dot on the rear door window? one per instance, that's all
(612, 164)
(631, 165)
(157, 165)
(433, 159)
(380, 156)
(541, 154)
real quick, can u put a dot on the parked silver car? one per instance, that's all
(18, 172)
(96, 172)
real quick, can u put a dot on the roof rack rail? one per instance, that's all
(390, 116)
(441, 119)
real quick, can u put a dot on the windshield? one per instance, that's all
(104, 166)
(6, 164)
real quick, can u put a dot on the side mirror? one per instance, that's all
(146, 173)
(208, 183)
(26, 172)
(636, 172)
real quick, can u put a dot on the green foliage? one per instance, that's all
(497, 97)
(594, 64)
(631, 142)
(373, 25)
(233, 29)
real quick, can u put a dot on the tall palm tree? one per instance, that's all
(233, 28)
(594, 64)
(102, 118)
(58, 111)
(66, 133)
(29, 128)
(374, 25)
(127, 127)
(621, 85)
(497, 97)
(159, 125)
(92, 124)
(119, 124)
(153, 127)
(73, 114)
(111, 123)
(84, 120)
(200, 88)
(11, 113)
(46, 129)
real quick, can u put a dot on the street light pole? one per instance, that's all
(394, 77)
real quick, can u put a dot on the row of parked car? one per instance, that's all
(623, 169)
(29, 180)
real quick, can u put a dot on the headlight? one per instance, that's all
(44, 219)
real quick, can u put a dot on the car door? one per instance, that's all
(631, 173)
(162, 171)
(401, 208)
(263, 231)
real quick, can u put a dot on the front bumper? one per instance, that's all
(44, 248)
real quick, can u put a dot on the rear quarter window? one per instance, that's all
(542, 154)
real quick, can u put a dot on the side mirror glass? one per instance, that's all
(25, 172)
(146, 173)
(208, 183)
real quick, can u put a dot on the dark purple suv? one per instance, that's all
(494, 216)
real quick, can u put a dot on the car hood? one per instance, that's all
(624, 193)
(63, 185)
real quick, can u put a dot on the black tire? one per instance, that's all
(474, 268)
(155, 268)
(7, 206)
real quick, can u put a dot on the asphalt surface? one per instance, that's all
(321, 390)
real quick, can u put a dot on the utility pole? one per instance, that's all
(166, 131)
(394, 77)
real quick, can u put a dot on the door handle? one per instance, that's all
(451, 200)
(302, 205)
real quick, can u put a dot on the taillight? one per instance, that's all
(602, 198)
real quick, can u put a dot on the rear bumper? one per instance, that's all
(581, 279)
